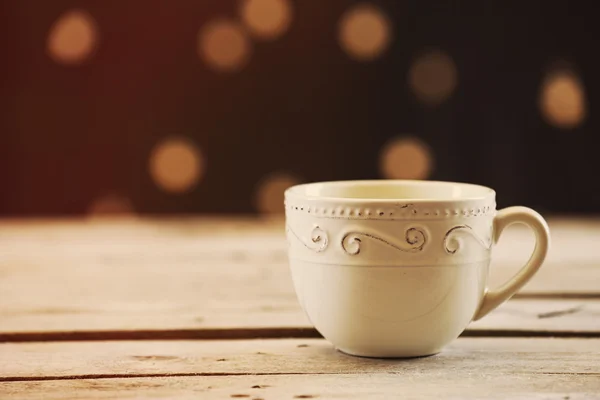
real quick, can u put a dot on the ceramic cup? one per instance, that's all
(390, 268)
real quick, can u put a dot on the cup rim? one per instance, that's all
(295, 191)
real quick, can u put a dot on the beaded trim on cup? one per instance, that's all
(402, 211)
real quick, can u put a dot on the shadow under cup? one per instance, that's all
(390, 268)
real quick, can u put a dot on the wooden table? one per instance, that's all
(204, 308)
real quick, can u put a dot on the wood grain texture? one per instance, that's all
(452, 385)
(26, 361)
(287, 369)
(203, 274)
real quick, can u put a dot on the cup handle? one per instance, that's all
(509, 216)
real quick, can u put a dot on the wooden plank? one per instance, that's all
(124, 275)
(286, 356)
(379, 386)
(542, 315)
(524, 317)
(286, 368)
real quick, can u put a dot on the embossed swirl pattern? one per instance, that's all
(453, 242)
(318, 239)
(415, 240)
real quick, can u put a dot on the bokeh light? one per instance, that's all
(562, 99)
(176, 165)
(433, 77)
(406, 158)
(73, 38)
(364, 32)
(269, 195)
(266, 19)
(224, 45)
(111, 205)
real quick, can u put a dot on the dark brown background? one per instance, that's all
(71, 134)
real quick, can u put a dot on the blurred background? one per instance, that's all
(216, 106)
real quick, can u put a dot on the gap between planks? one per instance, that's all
(558, 296)
(177, 375)
(218, 374)
(250, 333)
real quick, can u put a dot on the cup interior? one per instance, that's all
(392, 189)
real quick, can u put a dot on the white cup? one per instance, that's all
(389, 268)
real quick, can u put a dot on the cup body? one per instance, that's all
(390, 268)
